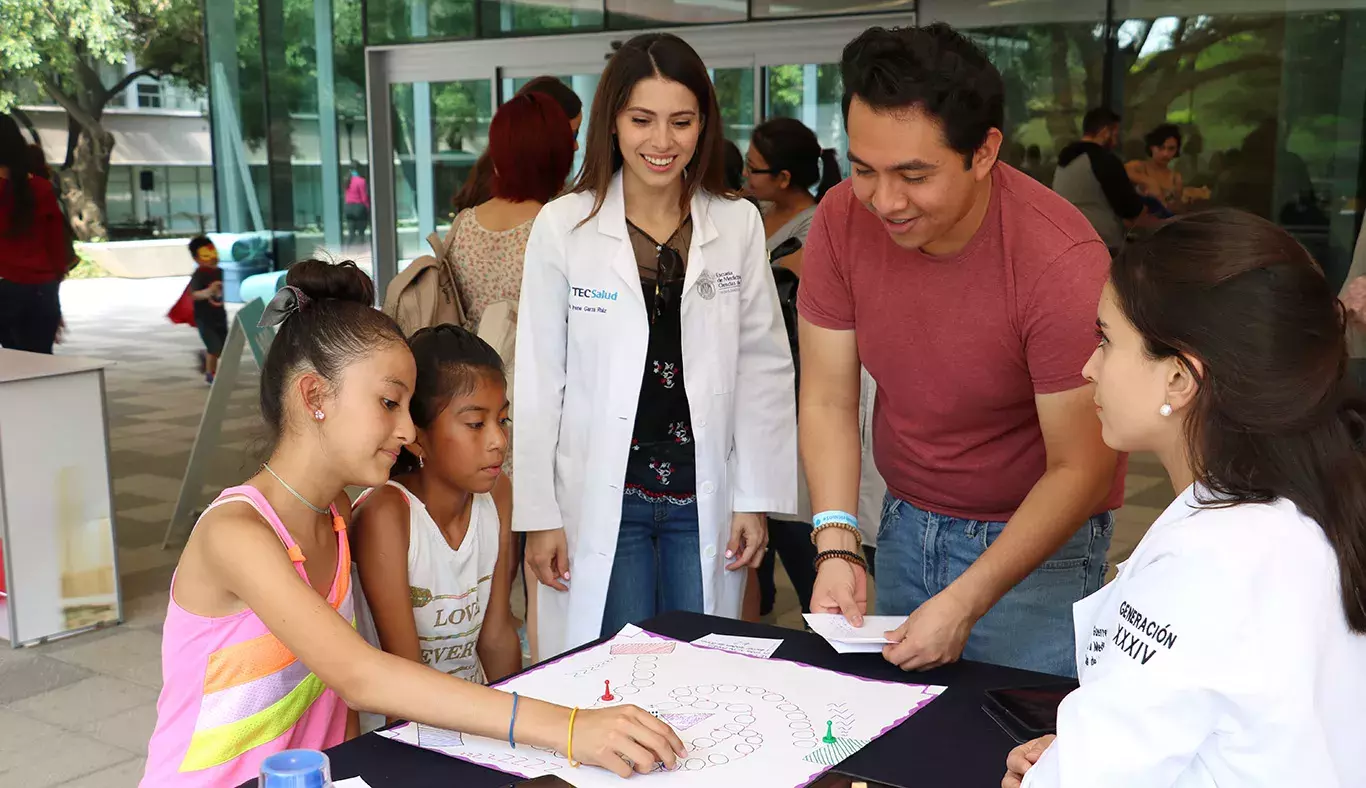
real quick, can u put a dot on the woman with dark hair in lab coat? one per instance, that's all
(1229, 651)
(653, 394)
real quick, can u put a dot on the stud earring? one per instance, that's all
(1165, 410)
(319, 415)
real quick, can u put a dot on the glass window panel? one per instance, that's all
(520, 17)
(633, 14)
(119, 197)
(155, 205)
(207, 205)
(185, 216)
(983, 13)
(812, 93)
(779, 8)
(1270, 107)
(440, 129)
(397, 21)
(735, 94)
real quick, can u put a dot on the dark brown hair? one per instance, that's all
(337, 326)
(787, 144)
(667, 57)
(1275, 415)
(450, 363)
(478, 184)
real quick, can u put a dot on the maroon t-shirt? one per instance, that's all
(959, 345)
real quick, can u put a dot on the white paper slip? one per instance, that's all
(833, 627)
(753, 647)
(841, 647)
(351, 782)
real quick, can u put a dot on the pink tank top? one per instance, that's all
(231, 693)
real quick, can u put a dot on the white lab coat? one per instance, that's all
(1220, 656)
(581, 343)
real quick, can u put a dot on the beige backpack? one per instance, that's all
(425, 293)
(498, 327)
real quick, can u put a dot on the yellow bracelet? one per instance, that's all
(570, 753)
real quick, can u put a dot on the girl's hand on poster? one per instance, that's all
(547, 556)
(748, 540)
(1022, 758)
(625, 738)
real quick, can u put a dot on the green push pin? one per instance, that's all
(829, 733)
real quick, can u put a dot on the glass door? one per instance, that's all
(430, 104)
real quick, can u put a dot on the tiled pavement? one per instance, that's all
(78, 712)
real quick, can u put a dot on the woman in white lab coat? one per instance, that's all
(1229, 650)
(653, 397)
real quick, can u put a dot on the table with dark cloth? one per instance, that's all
(950, 743)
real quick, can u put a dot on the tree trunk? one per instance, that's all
(86, 181)
(1061, 121)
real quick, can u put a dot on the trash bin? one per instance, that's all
(240, 255)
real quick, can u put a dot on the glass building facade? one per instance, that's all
(1270, 95)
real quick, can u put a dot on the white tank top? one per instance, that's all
(449, 588)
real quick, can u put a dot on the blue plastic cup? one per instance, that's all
(296, 769)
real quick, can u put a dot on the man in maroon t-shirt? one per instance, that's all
(969, 291)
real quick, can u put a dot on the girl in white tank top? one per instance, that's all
(433, 546)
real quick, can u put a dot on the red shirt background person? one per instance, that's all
(34, 252)
(968, 291)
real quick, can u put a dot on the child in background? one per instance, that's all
(206, 290)
(259, 648)
(434, 545)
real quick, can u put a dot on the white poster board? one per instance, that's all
(745, 720)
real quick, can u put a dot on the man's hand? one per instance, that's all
(748, 540)
(1022, 759)
(841, 587)
(933, 635)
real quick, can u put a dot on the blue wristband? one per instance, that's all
(834, 516)
(513, 722)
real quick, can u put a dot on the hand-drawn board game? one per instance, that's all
(744, 720)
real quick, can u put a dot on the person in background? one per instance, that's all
(783, 164)
(735, 167)
(34, 251)
(476, 190)
(647, 476)
(210, 316)
(434, 545)
(259, 650)
(356, 207)
(531, 150)
(1231, 648)
(968, 291)
(1159, 183)
(1034, 166)
(1091, 177)
(785, 161)
(1353, 297)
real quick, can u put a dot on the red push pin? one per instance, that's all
(607, 691)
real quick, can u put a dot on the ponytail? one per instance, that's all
(830, 172)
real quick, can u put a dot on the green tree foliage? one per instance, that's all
(60, 46)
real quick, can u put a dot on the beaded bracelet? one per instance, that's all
(843, 526)
(847, 555)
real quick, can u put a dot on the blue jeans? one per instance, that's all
(658, 564)
(919, 553)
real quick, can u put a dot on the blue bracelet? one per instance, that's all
(834, 516)
(513, 722)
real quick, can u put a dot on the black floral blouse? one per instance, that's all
(662, 465)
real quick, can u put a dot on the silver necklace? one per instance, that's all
(292, 491)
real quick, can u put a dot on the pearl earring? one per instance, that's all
(1165, 410)
(319, 415)
(421, 463)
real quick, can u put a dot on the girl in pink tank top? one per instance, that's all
(259, 649)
